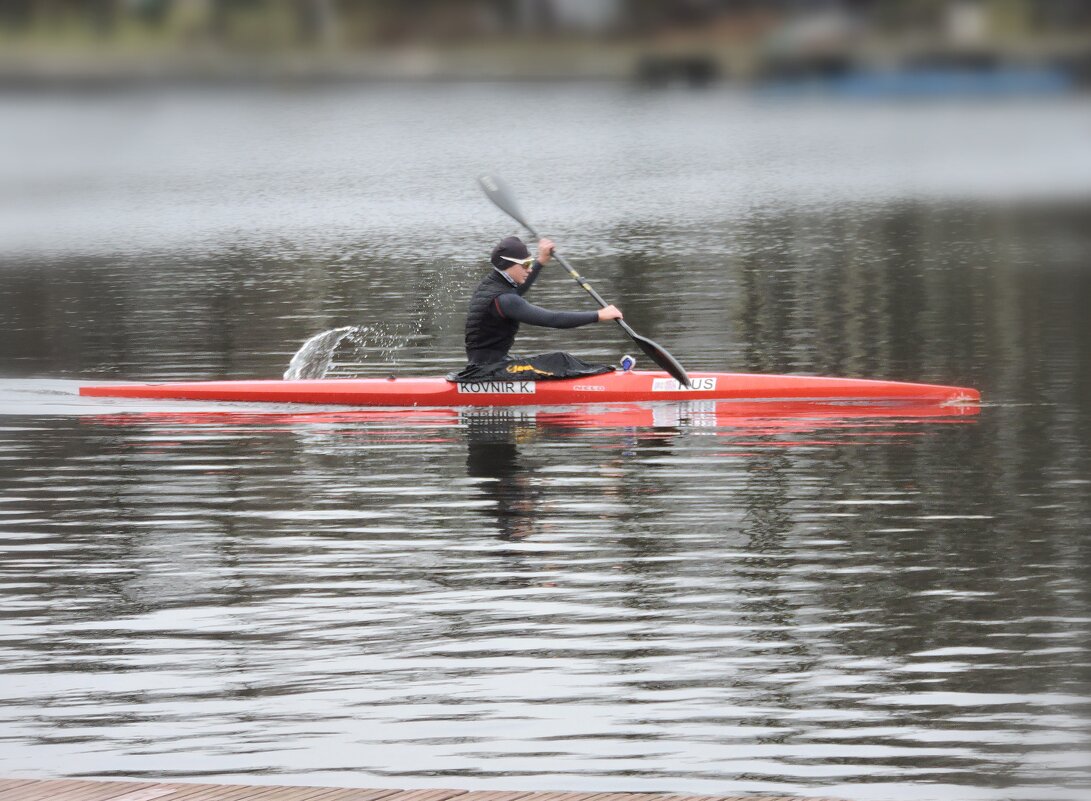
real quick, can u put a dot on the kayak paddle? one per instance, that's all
(498, 192)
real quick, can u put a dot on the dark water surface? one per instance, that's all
(869, 603)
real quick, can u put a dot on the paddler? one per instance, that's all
(497, 308)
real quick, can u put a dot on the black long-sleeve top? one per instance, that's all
(515, 307)
(496, 310)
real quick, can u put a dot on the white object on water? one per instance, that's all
(314, 358)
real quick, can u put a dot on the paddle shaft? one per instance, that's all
(579, 279)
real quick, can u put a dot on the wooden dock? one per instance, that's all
(80, 790)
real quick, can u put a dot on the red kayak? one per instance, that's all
(636, 386)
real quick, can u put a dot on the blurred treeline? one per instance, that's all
(698, 41)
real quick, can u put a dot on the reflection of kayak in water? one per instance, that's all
(720, 414)
(618, 387)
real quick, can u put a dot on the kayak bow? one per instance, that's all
(637, 386)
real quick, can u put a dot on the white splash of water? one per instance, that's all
(357, 350)
(314, 358)
(346, 352)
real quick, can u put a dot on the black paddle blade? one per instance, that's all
(661, 357)
(499, 193)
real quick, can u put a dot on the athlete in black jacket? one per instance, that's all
(497, 305)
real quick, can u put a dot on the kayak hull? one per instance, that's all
(636, 386)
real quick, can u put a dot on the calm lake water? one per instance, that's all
(871, 604)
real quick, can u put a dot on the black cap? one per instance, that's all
(510, 246)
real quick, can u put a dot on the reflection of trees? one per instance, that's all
(909, 291)
(135, 321)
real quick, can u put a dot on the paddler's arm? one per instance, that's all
(545, 253)
(512, 307)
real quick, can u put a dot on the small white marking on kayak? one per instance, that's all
(497, 388)
(670, 385)
(587, 388)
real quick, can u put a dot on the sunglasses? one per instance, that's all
(526, 263)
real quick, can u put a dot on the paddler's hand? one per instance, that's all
(609, 313)
(545, 250)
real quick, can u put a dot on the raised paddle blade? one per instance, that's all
(499, 193)
(661, 357)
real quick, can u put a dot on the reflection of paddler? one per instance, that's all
(492, 452)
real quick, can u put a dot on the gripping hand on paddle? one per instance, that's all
(609, 313)
(545, 250)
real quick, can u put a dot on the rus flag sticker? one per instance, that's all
(696, 384)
